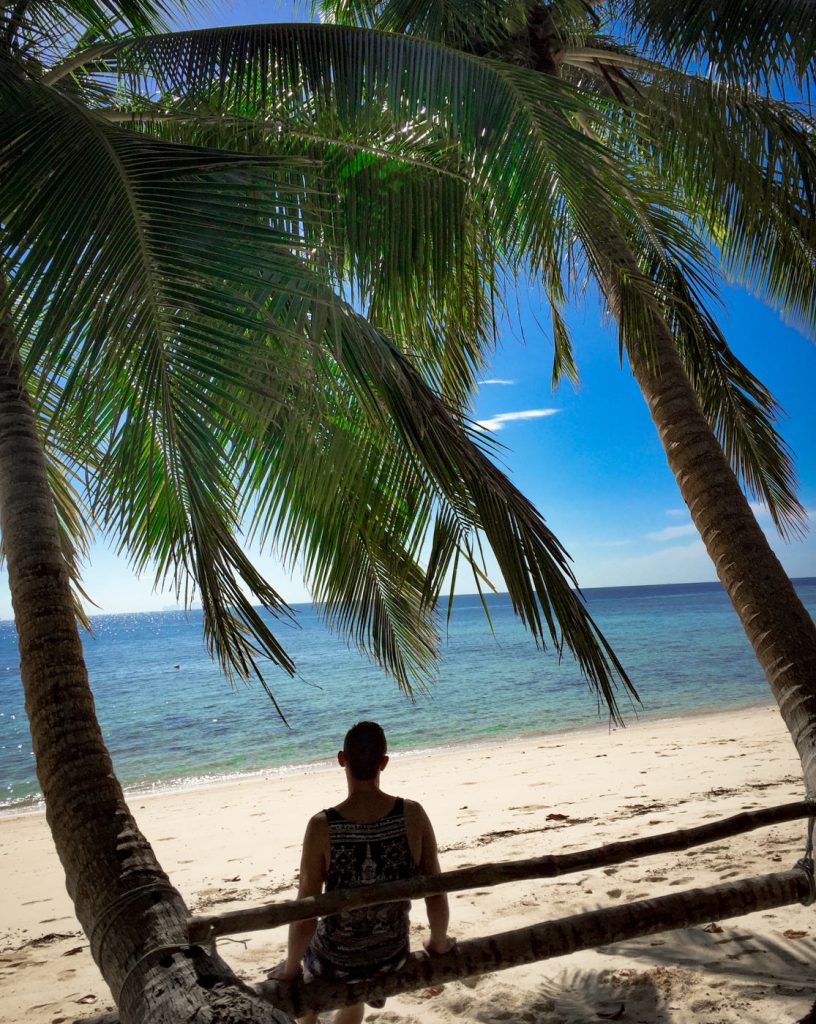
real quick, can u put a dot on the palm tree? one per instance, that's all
(747, 199)
(171, 338)
(171, 324)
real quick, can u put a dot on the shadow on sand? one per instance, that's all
(722, 976)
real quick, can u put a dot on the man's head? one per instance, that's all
(364, 751)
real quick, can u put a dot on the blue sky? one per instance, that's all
(594, 465)
(589, 457)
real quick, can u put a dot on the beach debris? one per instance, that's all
(792, 933)
(429, 993)
(556, 817)
(713, 928)
(73, 951)
(45, 940)
(87, 1000)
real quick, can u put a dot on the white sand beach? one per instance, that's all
(236, 844)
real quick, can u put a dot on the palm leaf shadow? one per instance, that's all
(658, 988)
(752, 963)
(574, 996)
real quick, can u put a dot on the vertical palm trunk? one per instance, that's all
(122, 897)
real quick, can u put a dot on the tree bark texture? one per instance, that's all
(554, 939)
(273, 915)
(135, 920)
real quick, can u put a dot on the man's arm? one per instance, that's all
(436, 906)
(313, 866)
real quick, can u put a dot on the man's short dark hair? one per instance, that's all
(365, 747)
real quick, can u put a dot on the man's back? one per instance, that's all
(369, 837)
(362, 852)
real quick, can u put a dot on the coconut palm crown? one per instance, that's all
(736, 166)
(189, 349)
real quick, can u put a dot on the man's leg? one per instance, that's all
(350, 1014)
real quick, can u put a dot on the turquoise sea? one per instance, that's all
(170, 719)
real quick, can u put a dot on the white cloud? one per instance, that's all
(676, 513)
(682, 563)
(497, 422)
(496, 380)
(673, 532)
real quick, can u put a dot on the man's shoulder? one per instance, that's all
(318, 823)
(415, 816)
(412, 806)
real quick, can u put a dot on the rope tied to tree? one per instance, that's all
(805, 863)
(111, 913)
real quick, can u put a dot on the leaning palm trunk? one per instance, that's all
(778, 626)
(123, 899)
(557, 938)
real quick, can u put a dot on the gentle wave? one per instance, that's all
(152, 678)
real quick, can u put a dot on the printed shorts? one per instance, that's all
(320, 968)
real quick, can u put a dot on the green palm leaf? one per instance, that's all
(768, 42)
(191, 309)
(754, 192)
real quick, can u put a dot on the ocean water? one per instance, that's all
(171, 719)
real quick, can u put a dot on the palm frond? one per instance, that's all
(534, 566)
(470, 25)
(413, 171)
(332, 498)
(502, 126)
(40, 32)
(564, 364)
(753, 192)
(494, 28)
(153, 299)
(179, 327)
(765, 42)
(74, 520)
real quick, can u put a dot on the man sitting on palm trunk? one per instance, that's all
(369, 837)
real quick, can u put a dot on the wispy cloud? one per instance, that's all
(673, 532)
(496, 423)
(496, 380)
(676, 513)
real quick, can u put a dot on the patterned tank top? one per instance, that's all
(372, 939)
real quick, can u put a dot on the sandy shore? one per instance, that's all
(238, 844)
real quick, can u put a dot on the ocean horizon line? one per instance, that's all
(714, 585)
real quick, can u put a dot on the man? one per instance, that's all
(369, 837)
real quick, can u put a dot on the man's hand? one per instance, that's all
(284, 972)
(437, 947)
